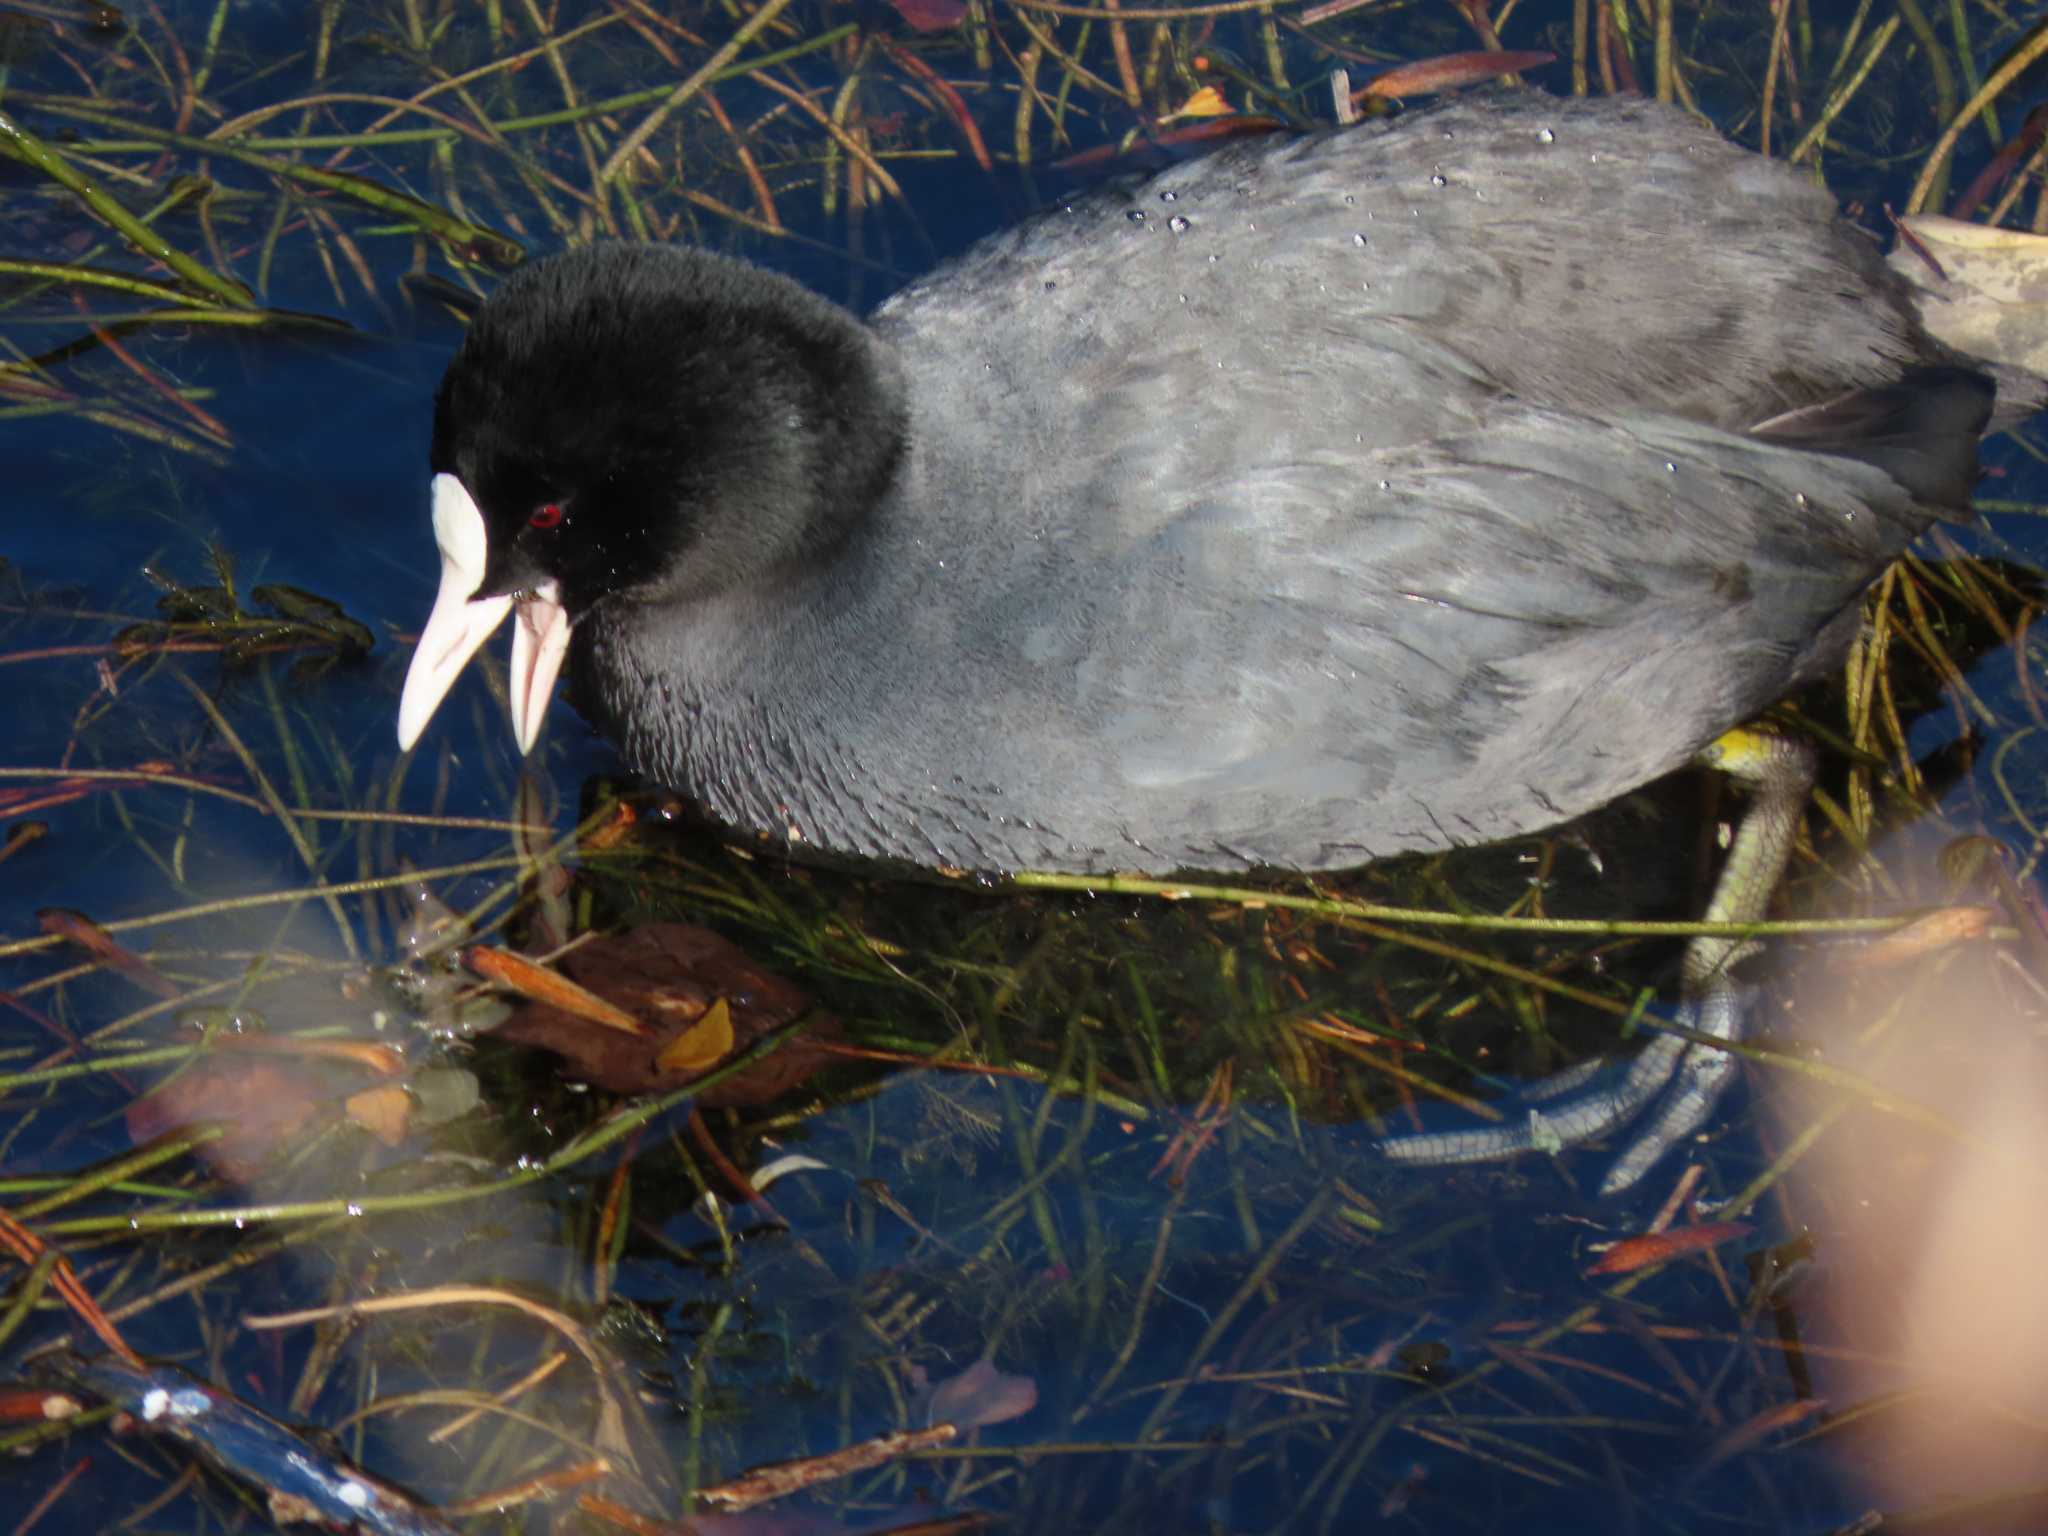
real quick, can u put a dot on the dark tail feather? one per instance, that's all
(1922, 431)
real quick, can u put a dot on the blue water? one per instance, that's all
(1275, 1381)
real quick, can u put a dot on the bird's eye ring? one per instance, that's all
(548, 514)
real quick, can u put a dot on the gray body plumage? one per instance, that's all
(1318, 500)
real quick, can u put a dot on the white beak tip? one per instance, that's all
(459, 623)
(462, 622)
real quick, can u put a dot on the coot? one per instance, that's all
(1416, 483)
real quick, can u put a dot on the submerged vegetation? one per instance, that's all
(296, 1079)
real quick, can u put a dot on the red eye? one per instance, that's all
(547, 515)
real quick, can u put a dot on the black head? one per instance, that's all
(664, 424)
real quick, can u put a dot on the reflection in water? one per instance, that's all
(1925, 1215)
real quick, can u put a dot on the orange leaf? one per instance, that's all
(1449, 71)
(1207, 102)
(547, 986)
(1655, 1247)
(702, 1045)
(370, 1055)
(614, 833)
(385, 1112)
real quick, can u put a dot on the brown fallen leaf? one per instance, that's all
(1655, 1247)
(671, 975)
(261, 1102)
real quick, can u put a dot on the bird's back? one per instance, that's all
(1334, 497)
